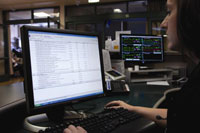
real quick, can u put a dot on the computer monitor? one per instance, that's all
(141, 48)
(61, 67)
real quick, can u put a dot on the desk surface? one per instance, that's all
(11, 95)
(141, 95)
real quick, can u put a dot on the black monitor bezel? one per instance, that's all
(28, 86)
(142, 62)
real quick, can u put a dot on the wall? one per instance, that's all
(176, 62)
(1, 46)
(0, 16)
(62, 16)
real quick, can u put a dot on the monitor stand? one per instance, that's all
(30, 122)
(146, 67)
(55, 115)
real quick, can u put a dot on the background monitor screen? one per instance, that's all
(60, 66)
(141, 48)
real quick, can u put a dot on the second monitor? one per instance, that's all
(141, 48)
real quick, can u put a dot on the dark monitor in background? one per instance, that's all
(140, 49)
(61, 67)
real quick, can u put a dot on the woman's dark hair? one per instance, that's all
(188, 25)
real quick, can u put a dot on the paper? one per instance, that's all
(106, 60)
(164, 83)
(117, 34)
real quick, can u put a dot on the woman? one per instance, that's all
(182, 113)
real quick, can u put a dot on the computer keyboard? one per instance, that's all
(103, 122)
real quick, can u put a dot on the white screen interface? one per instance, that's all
(64, 67)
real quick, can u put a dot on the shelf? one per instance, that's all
(149, 75)
(151, 70)
(148, 80)
(172, 53)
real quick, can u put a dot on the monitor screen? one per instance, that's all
(60, 67)
(141, 48)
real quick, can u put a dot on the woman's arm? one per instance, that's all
(150, 113)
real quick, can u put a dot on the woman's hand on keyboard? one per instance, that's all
(118, 104)
(73, 129)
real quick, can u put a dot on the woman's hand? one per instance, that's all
(119, 104)
(73, 129)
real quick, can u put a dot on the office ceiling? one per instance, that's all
(20, 4)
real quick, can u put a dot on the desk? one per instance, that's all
(11, 95)
(141, 95)
(12, 107)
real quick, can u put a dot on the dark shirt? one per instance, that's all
(17, 53)
(184, 106)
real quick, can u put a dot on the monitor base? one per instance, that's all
(32, 123)
(56, 114)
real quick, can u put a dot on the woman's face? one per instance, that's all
(169, 23)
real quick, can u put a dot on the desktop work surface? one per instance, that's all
(140, 95)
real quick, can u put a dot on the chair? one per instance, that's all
(153, 127)
(160, 102)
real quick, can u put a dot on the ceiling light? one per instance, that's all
(164, 35)
(158, 29)
(54, 14)
(41, 14)
(93, 1)
(117, 10)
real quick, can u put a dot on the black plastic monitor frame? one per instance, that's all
(131, 62)
(28, 86)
